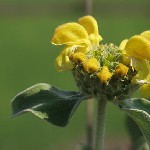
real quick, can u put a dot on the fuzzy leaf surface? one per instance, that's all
(139, 110)
(48, 103)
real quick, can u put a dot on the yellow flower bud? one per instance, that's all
(91, 65)
(104, 75)
(78, 57)
(121, 70)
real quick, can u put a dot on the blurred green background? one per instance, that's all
(27, 58)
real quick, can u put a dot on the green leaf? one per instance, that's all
(138, 140)
(133, 128)
(47, 102)
(139, 110)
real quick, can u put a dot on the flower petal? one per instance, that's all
(90, 25)
(146, 34)
(62, 61)
(125, 59)
(145, 90)
(70, 34)
(123, 44)
(143, 68)
(138, 47)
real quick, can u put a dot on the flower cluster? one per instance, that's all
(105, 70)
(136, 52)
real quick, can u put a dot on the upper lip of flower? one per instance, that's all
(137, 49)
(84, 35)
(72, 33)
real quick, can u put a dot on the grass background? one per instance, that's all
(27, 58)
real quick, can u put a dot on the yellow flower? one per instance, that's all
(62, 61)
(78, 37)
(104, 75)
(90, 24)
(145, 90)
(146, 34)
(137, 49)
(91, 65)
(121, 70)
(125, 59)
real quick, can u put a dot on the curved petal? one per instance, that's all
(83, 49)
(70, 34)
(143, 68)
(62, 61)
(146, 34)
(123, 44)
(90, 25)
(125, 59)
(138, 47)
(95, 39)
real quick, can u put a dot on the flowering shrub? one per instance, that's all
(101, 71)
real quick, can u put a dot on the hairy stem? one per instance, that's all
(90, 124)
(100, 124)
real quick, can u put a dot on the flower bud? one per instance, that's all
(78, 57)
(121, 70)
(91, 65)
(104, 75)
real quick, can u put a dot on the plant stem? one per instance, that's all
(90, 124)
(88, 11)
(100, 124)
(88, 7)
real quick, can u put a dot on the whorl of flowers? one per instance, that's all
(96, 66)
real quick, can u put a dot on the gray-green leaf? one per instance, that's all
(47, 102)
(139, 110)
(138, 140)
